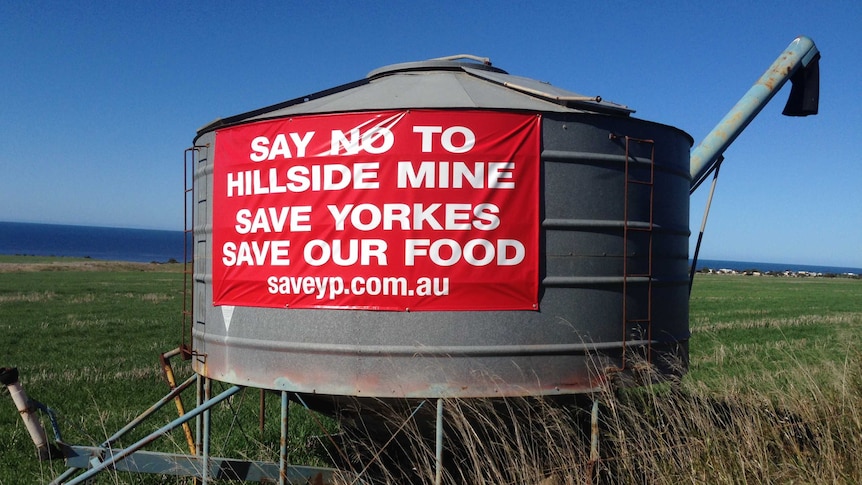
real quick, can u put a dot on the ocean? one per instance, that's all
(146, 245)
(105, 243)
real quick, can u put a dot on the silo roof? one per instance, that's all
(445, 83)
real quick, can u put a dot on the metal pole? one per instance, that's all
(66, 475)
(206, 437)
(176, 391)
(121, 454)
(261, 418)
(198, 401)
(703, 223)
(438, 476)
(155, 407)
(282, 451)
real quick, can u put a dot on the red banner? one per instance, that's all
(390, 210)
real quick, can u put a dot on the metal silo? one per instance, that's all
(547, 233)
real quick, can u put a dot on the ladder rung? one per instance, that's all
(638, 320)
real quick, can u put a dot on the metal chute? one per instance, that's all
(798, 64)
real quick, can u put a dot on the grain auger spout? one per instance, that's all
(799, 64)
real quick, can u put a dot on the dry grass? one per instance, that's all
(704, 325)
(28, 297)
(62, 264)
(806, 431)
(93, 375)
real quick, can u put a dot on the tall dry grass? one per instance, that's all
(806, 429)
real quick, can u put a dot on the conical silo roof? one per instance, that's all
(434, 84)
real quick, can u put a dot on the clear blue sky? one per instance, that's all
(98, 100)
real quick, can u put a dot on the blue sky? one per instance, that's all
(99, 99)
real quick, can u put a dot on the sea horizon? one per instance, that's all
(164, 245)
(96, 242)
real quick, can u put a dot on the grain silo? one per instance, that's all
(439, 229)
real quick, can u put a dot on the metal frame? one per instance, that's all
(93, 460)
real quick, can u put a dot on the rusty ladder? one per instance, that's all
(638, 327)
(189, 165)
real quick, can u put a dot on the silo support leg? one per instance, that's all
(594, 440)
(438, 476)
(282, 451)
(206, 437)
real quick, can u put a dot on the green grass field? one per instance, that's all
(748, 330)
(86, 337)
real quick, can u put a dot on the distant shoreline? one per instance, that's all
(742, 267)
(21, 263)
(782, 274)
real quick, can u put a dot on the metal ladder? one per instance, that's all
(638, 327)
(189, 167)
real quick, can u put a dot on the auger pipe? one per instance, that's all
(799, 54)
